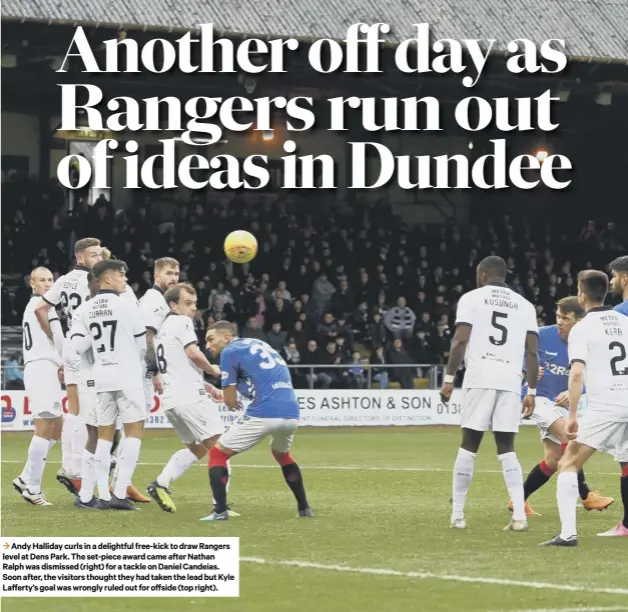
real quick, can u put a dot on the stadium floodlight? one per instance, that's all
(268, 135)
(83, 131)
(541, 155)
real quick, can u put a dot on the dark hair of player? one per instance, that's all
(90, 277)
(225, 327)
(174, 293)
(166, 262)
(85, 243)
(494, 267)
(571, 304)
(619, 265)
(108, 264)
(594, 284)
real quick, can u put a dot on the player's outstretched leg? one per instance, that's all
(178, 464)
(132, 492)
(463, 474)
(621, 529)
(294, 479)
(218, 479)
(28, 483)
(590, 499)
(127, 462)
(86, 499)
(66, 475)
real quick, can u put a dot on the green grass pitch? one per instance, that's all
(381, 499)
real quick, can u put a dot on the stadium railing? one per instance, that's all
(423, 371)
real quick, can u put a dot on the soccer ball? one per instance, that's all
(240, 246)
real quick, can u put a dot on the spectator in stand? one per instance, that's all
(14, 373)
(400, 320)
(376, 331)
(322, 292)
(253, 329)
(356, 373)
(378, 372)
(441, 342)
(316, 376)
(292, 357)
(342, 302)
(276, 337)
(327, 330)
(282, 288)
(399, 356)
(332, 357)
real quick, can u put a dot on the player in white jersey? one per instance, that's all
(69, 291)
(82, 368)
(132, 492)
(112, 327)
(187, 407)
(598, 352)
(42, 380)
(495, 326)
(154, 310)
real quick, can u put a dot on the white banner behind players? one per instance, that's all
(318, 408)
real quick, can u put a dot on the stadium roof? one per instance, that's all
(592, 29)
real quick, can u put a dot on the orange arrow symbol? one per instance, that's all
(6, 545)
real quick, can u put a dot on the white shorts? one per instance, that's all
(247, 431)
(41, 382)
(604, 435)
(484, 409)
(128, 404)
(546, 412)
(88, 407)
(196, 422)
(149, 393)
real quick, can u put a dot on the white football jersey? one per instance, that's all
(70, 290)
(36, 346)
(500, 319)
(129, 294)
(600, 341)
(153, 308)
(183, 382)
(110, 325)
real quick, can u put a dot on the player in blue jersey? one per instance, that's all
(619, 282)
(552, 403)
(258, 372)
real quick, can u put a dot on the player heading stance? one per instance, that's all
(42, 380)
(70, 291)
(552, 403)
(598, 350)
(184, 392)
(112, 327)
(273, 412)
(494, 327)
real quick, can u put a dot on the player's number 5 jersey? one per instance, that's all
(500, 320)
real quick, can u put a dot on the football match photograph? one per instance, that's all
(315, 307)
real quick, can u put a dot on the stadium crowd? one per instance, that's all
(328, 286)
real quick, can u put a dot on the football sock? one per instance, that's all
(67, 436)
(179, 463)
(79, 439)
(293, 478)
(88, 476)
(583, 489)
(463, 474)
(34, 468)
(513, 477)
(539, 475)
(102, 458)
(218, 478)
(127, 462)
(623, 485)
(567, 498)
(228, 481)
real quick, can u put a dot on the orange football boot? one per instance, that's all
(595, 501)
(528, 507)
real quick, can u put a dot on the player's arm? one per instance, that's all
(578, 354)
(195, 355)
(229, 376)
(80, 337)
(464, 325)
(532, 370)
(57, 331)
(49, 300)
(576, 381)
(149, 357)
(132, 312)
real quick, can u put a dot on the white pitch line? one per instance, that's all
(596, 609)
(350, 468)
(574, 588)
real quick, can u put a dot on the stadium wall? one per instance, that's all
(338, 408)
